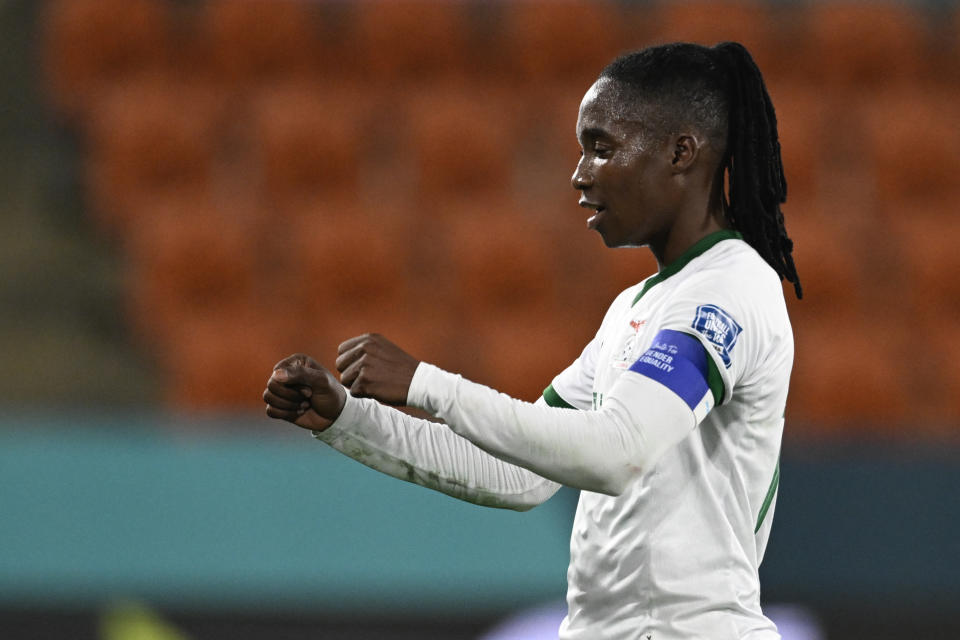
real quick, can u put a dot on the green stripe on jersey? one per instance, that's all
(714, 381)
(696, 250)
(772, 491)
(554, 400)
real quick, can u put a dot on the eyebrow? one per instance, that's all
(594, 132)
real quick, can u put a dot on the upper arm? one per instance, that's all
(720, 318)
(702, 344)
(678, 361)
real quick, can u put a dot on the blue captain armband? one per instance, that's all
(679, 361)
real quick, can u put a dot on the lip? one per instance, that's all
(595, 219)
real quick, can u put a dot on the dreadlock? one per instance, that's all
(721, 90)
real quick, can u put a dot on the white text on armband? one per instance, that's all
(678, 361)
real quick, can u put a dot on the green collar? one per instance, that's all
(698, 249)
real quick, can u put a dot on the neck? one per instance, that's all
(689, 229)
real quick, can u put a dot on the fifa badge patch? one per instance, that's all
(719, 328)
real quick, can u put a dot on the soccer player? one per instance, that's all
(670, 421)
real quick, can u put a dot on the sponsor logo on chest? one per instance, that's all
(628, 353)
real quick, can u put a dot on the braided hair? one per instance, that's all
(721, 90)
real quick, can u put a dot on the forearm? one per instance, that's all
(598, 451)
(433, 456)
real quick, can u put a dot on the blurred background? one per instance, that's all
(191, 190)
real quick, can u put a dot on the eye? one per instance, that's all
(602, 151)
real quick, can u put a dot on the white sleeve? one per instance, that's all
(723, 319)
(574, 385)
(431, 455)
(599, 451)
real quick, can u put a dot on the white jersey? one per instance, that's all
(674, 444)
(677, 554)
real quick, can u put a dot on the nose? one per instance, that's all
(581, 178)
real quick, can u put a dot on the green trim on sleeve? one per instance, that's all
(772, 491)
(715, 381)
(698, 249)
(554, 400)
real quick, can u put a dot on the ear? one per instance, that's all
(686, 150)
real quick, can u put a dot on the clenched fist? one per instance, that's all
(303, 392)
(373, 367)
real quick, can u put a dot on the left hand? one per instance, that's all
(303, 392)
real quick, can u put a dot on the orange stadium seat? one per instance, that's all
(941, 372)
(518, 322)
(917, 216)
(624, 267)
(930, 264)
(187, 256)
(519, 354)
(144, 143)
(892, 297)
(542, 150)
(801, 117)
(914, 146)
(862, 43)
(848, 372)
(247, 42)
(462, 139)
(348, 259)
(499, 261)
(567, 39)
(413, 40)
(220, 358)
(88, 45)
(310, 140)
(827, 263)
(708, 22)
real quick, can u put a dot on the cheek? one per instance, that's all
(654, 189)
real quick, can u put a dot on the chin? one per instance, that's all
(613, 242)
(609, 240)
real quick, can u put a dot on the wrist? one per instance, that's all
(416, 390)
(341, 421)
(431, 388)
(340, 401)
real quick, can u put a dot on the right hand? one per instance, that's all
(303, 392)
(373, 367)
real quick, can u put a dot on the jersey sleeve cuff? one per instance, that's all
(349, 417)
(429, 388)
(554, 399)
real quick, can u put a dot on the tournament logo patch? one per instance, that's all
(719, 328)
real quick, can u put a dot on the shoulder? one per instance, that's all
(734, 272)
(733, 300)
